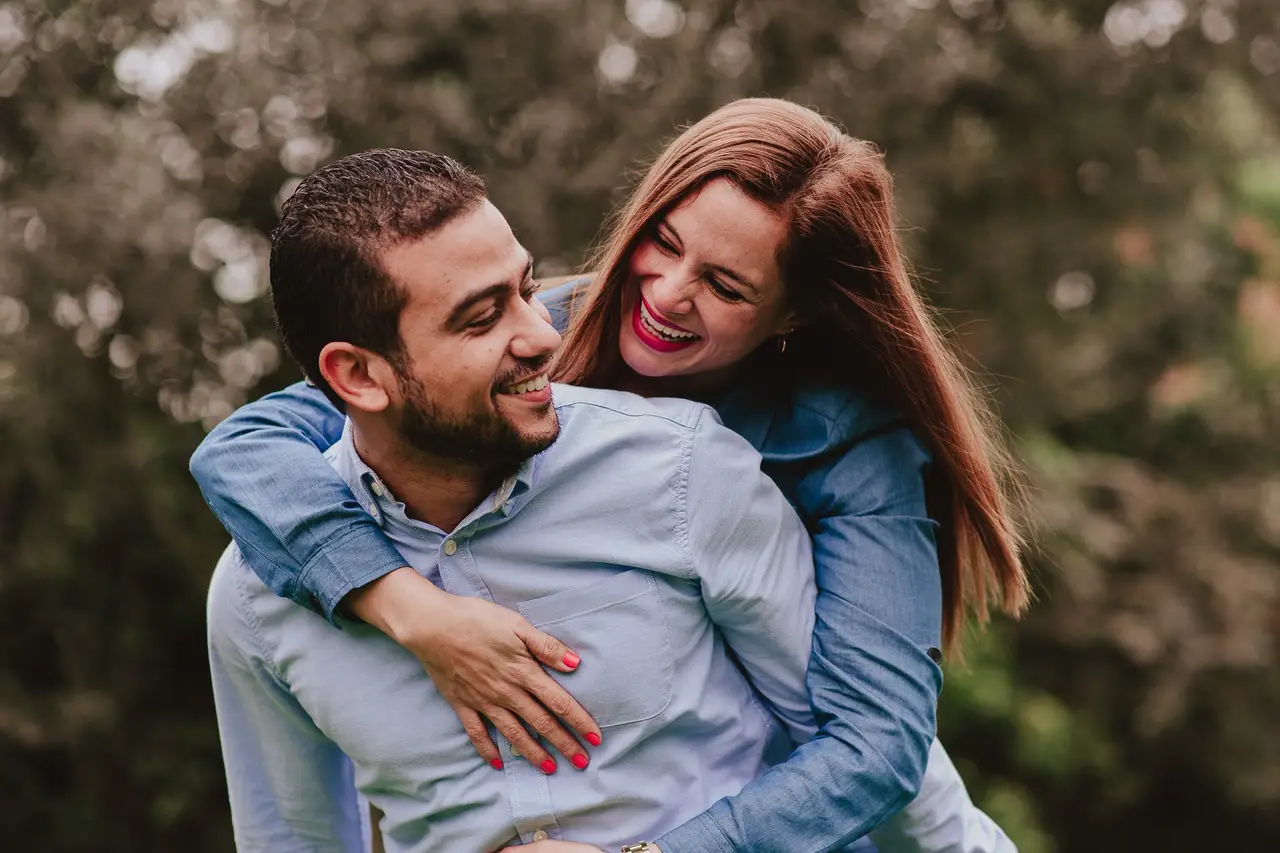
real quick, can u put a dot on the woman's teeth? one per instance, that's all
(537, 383)
(662, 331)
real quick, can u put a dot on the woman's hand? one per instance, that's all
(484, 659)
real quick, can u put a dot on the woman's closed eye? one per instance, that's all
(722, 290)
(664, 244)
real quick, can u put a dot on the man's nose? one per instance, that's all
(536, 337)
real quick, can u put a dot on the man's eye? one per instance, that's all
(530, 290)
(486, 321)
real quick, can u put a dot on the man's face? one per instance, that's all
(473, 386)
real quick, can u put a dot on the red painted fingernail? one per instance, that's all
(571, 660)
(497, 763)
(580, 761)
(548, 766)
(593, 738)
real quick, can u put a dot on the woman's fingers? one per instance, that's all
(548, 649)
(560, 702)
(478, 732)
(545, 723)
(489, 664)
(525, 745)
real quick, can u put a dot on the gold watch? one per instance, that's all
(640, 847)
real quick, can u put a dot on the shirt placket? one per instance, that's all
(458, 571)
(529, 795)
(528, 788)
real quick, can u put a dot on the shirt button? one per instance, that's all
(539, 836)
(450, 547)
(377, 488)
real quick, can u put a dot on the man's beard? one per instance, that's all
(485, 439)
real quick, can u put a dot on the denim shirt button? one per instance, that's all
(935, 654)
(450, 547)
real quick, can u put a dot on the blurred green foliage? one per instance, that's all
(1090, 191)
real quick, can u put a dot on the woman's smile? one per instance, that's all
(657, 333)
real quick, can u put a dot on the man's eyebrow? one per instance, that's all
(492, 291)
(742, 280)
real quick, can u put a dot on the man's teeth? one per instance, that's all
(663, 331)
(537, 383)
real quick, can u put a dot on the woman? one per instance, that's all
(756, 268)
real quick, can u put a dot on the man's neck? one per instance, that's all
(438, 491)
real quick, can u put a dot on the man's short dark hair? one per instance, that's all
(327, 282)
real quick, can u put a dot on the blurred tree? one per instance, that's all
(1092, 192)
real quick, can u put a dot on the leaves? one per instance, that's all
(1088, 191)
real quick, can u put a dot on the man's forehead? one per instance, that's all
(473, 251)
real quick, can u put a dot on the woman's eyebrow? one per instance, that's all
(740, 279)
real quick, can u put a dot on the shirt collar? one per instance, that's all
(376, 498)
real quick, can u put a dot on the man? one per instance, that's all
(404, 295)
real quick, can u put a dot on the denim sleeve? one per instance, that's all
(299, 527)
(559, 298)
(872, 682)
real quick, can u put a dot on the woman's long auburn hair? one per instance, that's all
(860, 316)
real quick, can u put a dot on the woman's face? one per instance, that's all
(704, 289)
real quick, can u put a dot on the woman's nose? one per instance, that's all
(672, 292)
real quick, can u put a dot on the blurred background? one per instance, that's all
(1090, 191)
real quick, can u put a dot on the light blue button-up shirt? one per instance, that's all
(645, 538)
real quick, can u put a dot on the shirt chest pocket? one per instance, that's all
(618, 628)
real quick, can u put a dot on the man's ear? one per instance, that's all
(361, 378)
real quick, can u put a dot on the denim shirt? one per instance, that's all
(848, 464)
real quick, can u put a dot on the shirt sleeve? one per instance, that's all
(291, 788)
(752, 556)
(871, 678)
(263, 473)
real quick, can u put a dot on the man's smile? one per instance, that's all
(535, 389)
